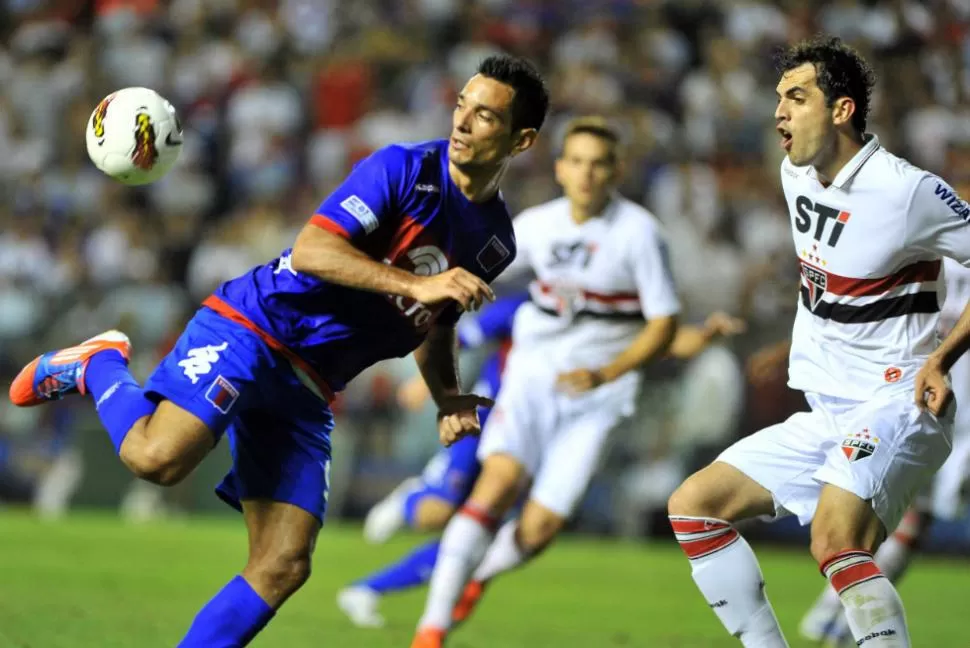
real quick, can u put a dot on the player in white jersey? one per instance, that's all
(870, 230)
(602, 306)
(825, 621)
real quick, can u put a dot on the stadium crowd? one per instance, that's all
(279, 98)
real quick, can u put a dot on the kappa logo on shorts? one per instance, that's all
(200, 361)
(859, 445)
(221, 394)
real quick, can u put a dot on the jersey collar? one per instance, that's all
(852, 166)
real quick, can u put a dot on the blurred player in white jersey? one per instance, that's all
(870, 230)
(946, 499)
(602, 306)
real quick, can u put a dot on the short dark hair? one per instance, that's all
(596, 126)
(840, 71)
(531, 100)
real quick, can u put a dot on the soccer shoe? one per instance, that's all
(360, 605)
(819, 619)
(387, 516)
(469, 600)
(55, 374)
(429, 638)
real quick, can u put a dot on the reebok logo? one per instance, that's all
(717, 604)
(876, 635)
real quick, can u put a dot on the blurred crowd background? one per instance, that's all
(280, 97)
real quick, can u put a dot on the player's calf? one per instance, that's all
(723, 565)
(845, 533)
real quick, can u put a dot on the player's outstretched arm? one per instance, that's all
(437, 361)
(335, 259)
(691, 340)
(653, 342)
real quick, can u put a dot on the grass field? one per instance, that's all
(93, 582)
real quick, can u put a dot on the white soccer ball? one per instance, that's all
(134, 135)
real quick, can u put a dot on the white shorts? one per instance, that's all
(885, 451)
(558, 439)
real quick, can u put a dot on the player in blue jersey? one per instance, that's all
(385, 267)
(426, 503)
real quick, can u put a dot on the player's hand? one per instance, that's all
(413, 394)
(458, 416)
(933, 393)
(457, 284)
(579, 381)
(767, 362)
(720, 324)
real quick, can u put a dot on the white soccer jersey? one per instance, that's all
(596, 282)
(870, 247)
(957, 280)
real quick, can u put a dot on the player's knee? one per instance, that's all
(498, 486)
(432, 514)
(153, 463)
(282, 572)
(538, 532)
(692, 499)
(833, 537)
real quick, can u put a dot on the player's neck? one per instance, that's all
(477, 185)
(846, 147)
(582, 214)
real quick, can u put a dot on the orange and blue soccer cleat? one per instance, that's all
(469, 600)
(429, 638)
(55, 374)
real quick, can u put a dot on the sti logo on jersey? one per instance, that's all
(859, 445)
(817, 281)
(822, 214)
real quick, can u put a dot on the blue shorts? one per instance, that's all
(451, 473)
(278, 429)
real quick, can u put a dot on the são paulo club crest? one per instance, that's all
(859, 445)
(817, 281)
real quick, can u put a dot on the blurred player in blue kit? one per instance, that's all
(385, 267)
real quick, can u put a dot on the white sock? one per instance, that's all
(872, 606)
(503, 554)
(728, 575)
(463, 545)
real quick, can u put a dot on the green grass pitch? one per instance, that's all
(93, 582)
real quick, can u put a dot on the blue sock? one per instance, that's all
(118, 397)
(231, 619)
(410, 571)
(411, 504)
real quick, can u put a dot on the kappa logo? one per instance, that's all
(200, 360)
(859, 445)
(817, 281)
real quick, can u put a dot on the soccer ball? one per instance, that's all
(134, 136)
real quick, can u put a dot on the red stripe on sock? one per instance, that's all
(481, 516)
(853, 575)
(689, 525)
(824, 567)
(698, 548)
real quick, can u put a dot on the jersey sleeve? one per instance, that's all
(370, 196)
(654, 280)
(938, 220)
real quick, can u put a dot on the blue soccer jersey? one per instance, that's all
(400, 207)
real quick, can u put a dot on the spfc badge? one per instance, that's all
(859, 445)
(817, 280)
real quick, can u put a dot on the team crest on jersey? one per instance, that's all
(859, 445)
(817, 281)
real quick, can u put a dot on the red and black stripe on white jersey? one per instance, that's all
(848, 300)
(559, 301)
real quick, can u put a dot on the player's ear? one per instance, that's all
(842, 111)
(524, 140)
